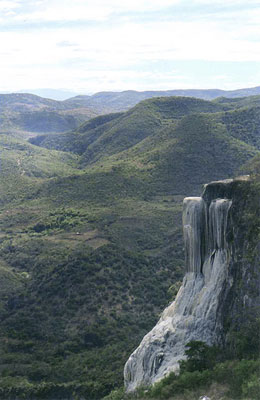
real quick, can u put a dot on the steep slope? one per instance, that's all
(244, 124)
(142, 121)
(218, 303)
(178, 157)
(78, 141)
(203, 149)
(197, 312)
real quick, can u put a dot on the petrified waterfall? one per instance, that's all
(193, 229)
(194, 313)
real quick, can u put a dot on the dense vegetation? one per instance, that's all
(91, 241)
(231, 372)
(229, 380)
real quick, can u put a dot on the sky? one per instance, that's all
(88, 46)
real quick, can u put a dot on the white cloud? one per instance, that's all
(9, 5)
(66, 13)
(93, 81)
(132, 43)
(229, 3)
(82, 10)
(114, 54)
(8, 8)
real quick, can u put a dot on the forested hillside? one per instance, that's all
(91, 242)
(26, 115)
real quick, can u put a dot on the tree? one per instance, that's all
(200, 356)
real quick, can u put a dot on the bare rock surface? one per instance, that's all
(194, 313)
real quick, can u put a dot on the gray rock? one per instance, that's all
(194, 313)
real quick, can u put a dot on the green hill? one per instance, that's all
(238, 102)
(24, 115)
(126, 129)
(177, 143)
(197, 150)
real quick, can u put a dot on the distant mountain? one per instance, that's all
(24, 114)
(120, 101)
(22, 102)
(128, 98)
(55, 94)
(52, 116)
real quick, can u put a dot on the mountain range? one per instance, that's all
(27, 115)
(208, 94)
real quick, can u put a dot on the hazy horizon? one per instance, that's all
(63, 94)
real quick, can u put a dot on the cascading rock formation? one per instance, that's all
(194, 315)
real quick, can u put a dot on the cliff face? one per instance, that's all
(216, 292)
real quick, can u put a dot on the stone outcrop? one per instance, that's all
(199, 311)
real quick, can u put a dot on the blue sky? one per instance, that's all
(89, 46)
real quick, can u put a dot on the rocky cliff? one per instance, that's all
(217, 291)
